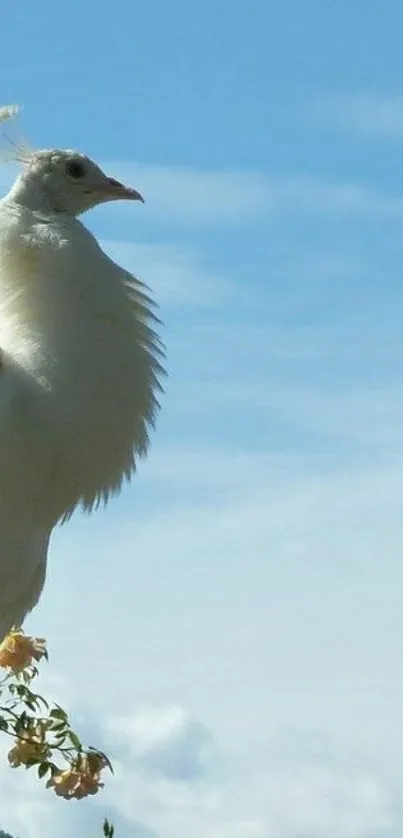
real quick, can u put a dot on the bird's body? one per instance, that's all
(79, 368)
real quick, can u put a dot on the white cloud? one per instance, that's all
(210, 597)
(188, 197)
(267, 612)
(193, 195)
(178, 276)
(367, 416)
(291, 783)
(165, 742)
(370, 416)
(308, 195)
(294, 783)
(367, 115)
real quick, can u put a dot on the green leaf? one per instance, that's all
(43, 768)
(22, 723)
(60, 734)
(56, 726)
(58, 713)
(103, 755)
(108, 829)
(74, 740)
(53, 768)
(32, 761)
(41, 700)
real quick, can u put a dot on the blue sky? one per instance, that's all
(230, 628)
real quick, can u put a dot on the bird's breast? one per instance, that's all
(81, 332)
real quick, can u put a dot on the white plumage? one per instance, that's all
(79, 365)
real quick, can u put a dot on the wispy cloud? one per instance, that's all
(162, 742)
(368, 416)
(307, 195)
(192, 197)
(368, 115)
(296, 781)
(276, 552)
(231, 197)
(179, 276)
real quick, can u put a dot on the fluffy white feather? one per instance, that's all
(79, 366)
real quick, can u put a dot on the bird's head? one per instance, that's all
(65, 181)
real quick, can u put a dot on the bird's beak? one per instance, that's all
(115, 191)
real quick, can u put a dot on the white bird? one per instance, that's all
(80, 365)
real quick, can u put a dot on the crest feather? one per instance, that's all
(22, 151)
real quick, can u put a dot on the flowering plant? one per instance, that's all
(42, 734)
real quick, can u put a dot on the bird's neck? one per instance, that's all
(29, 192)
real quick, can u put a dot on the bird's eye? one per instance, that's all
(75, 170)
